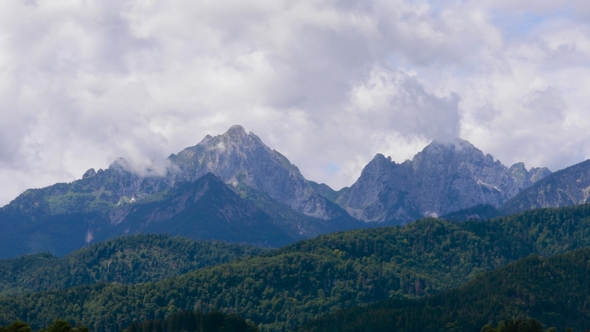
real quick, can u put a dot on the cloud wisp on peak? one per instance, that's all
(328, 83)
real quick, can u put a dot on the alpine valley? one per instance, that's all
(233, 187)
(230, 236)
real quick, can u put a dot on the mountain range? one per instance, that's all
(233, 187)
(282, 288)
(442, 178)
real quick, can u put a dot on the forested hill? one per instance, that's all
(554, 291)
(128, 259)
(285, 287)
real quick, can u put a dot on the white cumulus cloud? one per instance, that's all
(328, 83)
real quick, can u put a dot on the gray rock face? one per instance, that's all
(240, 158)
(443, 178)
(570, 186)
(235, 157)
(272, 203)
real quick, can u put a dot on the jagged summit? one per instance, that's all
(450, 149)
(89, 173)
(446, 176)
(187, 194)
(240, 158)
(456, 143)
(236, 130)
(380, 158)
(569, 186)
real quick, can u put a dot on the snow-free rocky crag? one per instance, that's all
(444, 177)
(240, 158)
(270, 202)
(569, 186)
(231, 186)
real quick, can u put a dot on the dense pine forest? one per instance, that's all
(555, 291)
(59, 325)
(289, 286)
(188, 321)
(130, 259)
(195, 321)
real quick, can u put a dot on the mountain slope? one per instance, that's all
(570, 186)
(237, 157)
(325, 190)
(443, 178)
(555, 291)
(288, 286)
(297, 223)
(204, 209)
(130, 259)
(122, 200)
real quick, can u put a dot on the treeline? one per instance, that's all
(59, 325)
(128, 259)
(195, 321)
(283, 288)
(520, 325)
(553, 291)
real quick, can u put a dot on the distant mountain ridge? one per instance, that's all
(256, 195)
(285, 287)
(570, 186)
(442, 178)
(229, 187)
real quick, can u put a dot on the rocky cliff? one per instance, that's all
(270, 202)
(570, 186)
(240, 158)
(442, 178)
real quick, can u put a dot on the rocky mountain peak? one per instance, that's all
(455, 144)
(236, 132)
(378, 164)
(446, 176)
(538, 173)
(380, 158)
(118, 163)
(89, 173)
(240, 158)
(206, 139)
(455, 154)
(518, 169)
(519, 173)
(569, 186)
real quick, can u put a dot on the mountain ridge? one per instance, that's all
(284, 287)
(238, 157)
(450, 178)
(103, 203)
(442, 178)
(569, 186)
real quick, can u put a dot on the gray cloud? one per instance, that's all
(327, 83)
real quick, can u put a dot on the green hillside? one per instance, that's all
(286, 287)
(554, 291)
(130, 259)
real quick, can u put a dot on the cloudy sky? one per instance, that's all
(328, 83)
